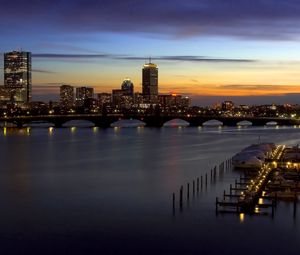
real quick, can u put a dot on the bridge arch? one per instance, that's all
(271, 123)
(176, 123)
(244, 123)
(78, 123)
(128, 123)
(212, 123)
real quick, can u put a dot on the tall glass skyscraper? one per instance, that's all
(150, 83)
(17, 75)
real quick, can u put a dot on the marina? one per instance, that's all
(264, 181)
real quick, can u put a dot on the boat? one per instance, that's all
(253, 156)
(247, 162)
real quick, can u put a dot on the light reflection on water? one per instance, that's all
(101, 191)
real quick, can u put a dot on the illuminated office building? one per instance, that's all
(66, 96)
(104, 99)
(17, 75)
(150, 83)
(82, 94)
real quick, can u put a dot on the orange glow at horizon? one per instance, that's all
(223, 80)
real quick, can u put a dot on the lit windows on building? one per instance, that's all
(17, 75)
(150, 83)
(66, 96)
(104, 99)
(82, 94)
(174, 100)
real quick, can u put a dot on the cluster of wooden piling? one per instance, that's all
(200, 183)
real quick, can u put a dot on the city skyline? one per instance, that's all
(209, 50)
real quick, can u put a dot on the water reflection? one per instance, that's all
(73, 130)
(7, 131)
(242, 217)
(95, 130)
(109, 187)
(50, 130)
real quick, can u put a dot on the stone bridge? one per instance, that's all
(100, 120)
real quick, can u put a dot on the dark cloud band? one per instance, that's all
(257, 19)
(155, 58)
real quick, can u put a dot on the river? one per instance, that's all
(85, 190)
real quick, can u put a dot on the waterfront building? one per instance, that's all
(104, 99)
(5, 95)
(66, 96)
(82, 94)
(150, 83)
(186, 101)
(138, 98)
(227, 106)
(120, 99)
(17, 75)
(174, 100)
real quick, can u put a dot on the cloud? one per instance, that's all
(68, 56)
(42, 71)
(256, 19)
(243, 90)
(248, 100)
(143, 58)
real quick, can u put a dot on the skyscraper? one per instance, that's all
(66, 97)
(150, 83)
(17, 75)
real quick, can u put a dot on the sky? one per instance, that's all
(212, 50)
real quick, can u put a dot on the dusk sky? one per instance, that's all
(208, 49)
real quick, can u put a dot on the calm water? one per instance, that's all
(94, 191)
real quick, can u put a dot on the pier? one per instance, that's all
(247, 194)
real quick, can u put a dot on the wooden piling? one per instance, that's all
(173, 202)
(295, 206)
(206, 179)
(201, 181)
(197, 184)
(188, 190)
(180, 197)
(193, 187)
